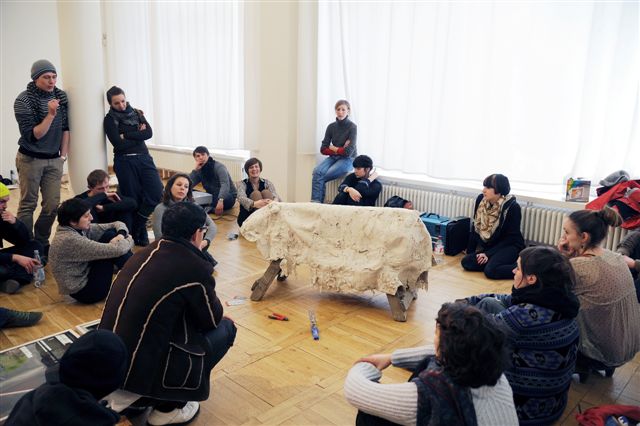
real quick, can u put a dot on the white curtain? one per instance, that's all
(182, 64)
(535, 90)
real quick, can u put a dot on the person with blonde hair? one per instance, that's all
(339, 145)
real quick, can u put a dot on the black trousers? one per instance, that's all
(500, 265)
(138, 178)
(101, 274)
(220, 340)
(13, 271)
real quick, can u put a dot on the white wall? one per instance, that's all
(279, 96)
(29, 32)
(278, 110)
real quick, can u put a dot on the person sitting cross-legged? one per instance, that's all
(360, 188)
(495, 238)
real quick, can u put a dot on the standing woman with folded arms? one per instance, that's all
(127, 130)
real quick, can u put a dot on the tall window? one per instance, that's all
(182, 64)
(534, 90)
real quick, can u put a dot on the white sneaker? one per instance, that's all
(179, 416)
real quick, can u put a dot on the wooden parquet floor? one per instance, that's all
(276, 374)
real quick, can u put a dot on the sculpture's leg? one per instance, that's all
(261, 285)
(400, 303)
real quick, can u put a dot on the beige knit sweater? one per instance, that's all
(609, 316)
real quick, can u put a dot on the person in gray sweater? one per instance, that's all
(215, 178)
(83, 254)
(177, 190)
(629, 248)
(458, 380)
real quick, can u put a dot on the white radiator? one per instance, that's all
(540, 224)
(234, 165)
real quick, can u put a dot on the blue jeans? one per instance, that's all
(329, 169)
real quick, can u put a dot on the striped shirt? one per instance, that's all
(30, 108)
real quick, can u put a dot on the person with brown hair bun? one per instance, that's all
(609, 316)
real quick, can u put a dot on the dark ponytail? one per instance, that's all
(595, 223)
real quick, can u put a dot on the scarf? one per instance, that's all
(440, 400)
(129, 117)
(488, 217)
(557, 299)
(39, 108)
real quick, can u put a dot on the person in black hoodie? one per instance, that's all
(93, 367)
(360, 188)
(495, 239)
(107, 206)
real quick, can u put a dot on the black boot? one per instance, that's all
(139, 231)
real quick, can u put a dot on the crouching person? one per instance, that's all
(93, 367)
(164, 306)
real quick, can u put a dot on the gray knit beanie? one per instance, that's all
(41, 66)
(615, 178)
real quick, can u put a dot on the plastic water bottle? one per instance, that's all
(38, 274)
(438, 250)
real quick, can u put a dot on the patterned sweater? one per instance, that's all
(398, 403)
(544, 344)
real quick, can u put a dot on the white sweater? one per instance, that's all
(398, 403)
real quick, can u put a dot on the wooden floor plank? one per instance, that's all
(276, 373)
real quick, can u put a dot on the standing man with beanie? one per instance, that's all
(42, 115)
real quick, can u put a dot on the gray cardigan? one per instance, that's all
(158, 212)
(72, 251)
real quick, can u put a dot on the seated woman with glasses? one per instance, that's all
(456, 381)
(177, 190)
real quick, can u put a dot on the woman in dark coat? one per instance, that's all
(495, 239)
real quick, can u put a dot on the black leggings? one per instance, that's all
(500, 265)
(101, 274)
